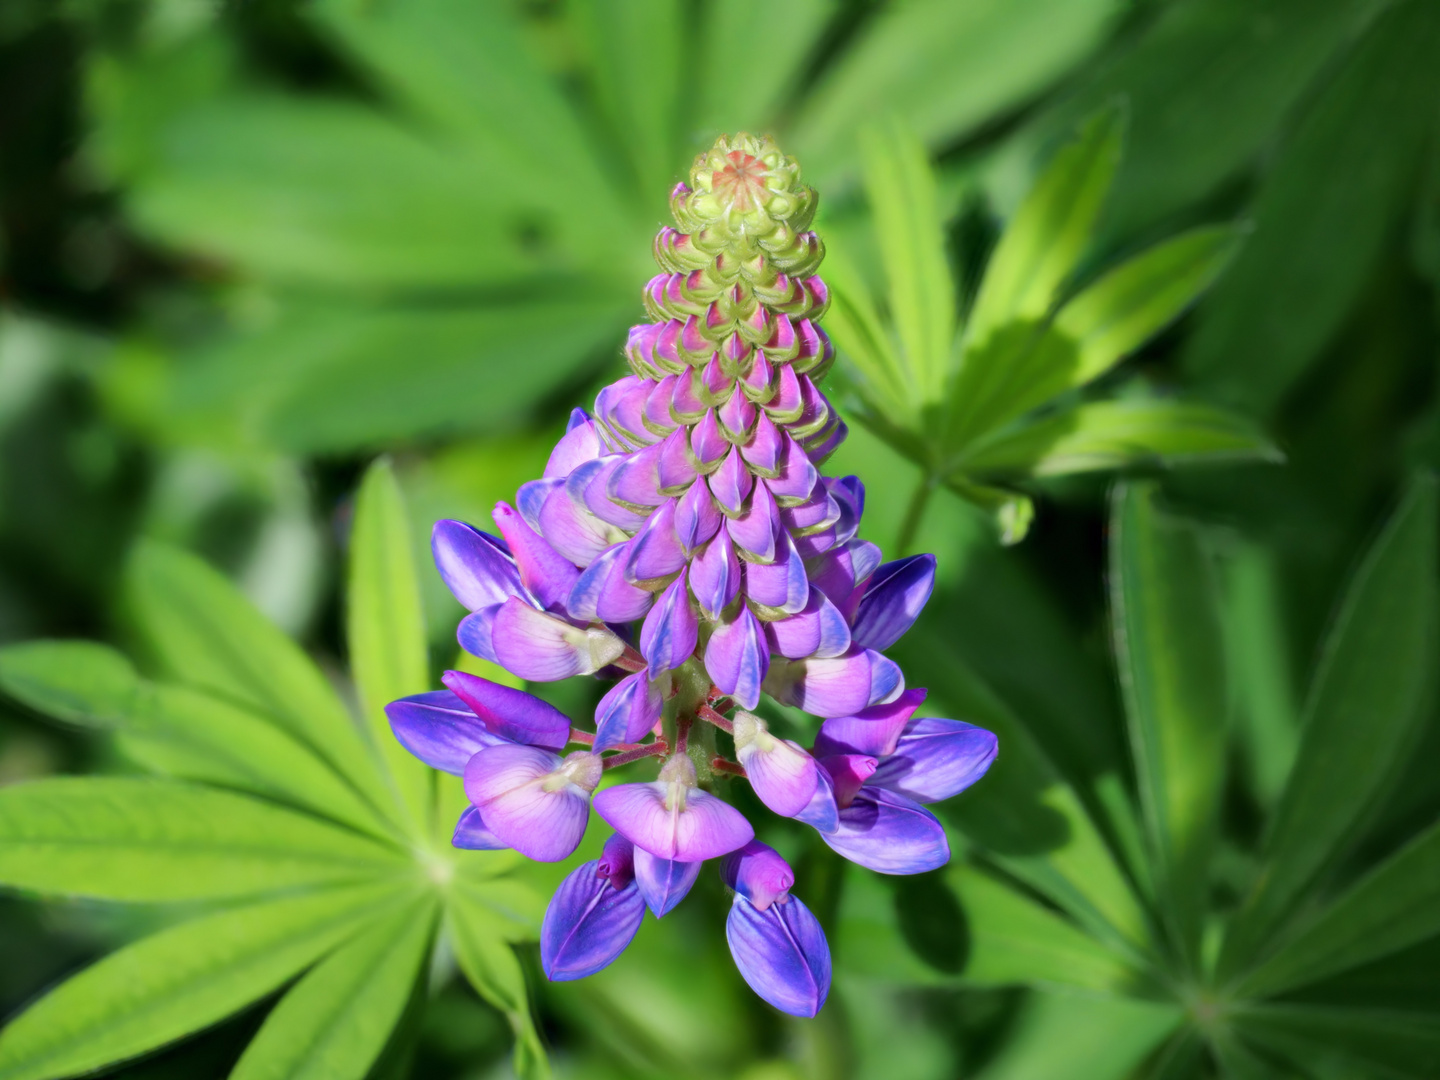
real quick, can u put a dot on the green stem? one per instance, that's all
(914, 514)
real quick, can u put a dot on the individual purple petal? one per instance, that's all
(737, 658)
(816, 512)
(601, 592)
(781, 772)
(588, 924)
(715, 574)
(472, 834)
(763, 452)
(636, 480)
(617, 861)
(817, 630)
(737, 417)
(757, 528)
(476, 633)
(874, 731)
(848, 772)
(475, 566)
(707, 445)
(822, 814)
(663, 882)
(590, 484)
(628, 711)
(531, 497)
(782, 953)
(579, 444)
(657, 405)
(781, 585)
(758, 873)
(546, 574)
(570, 528)
(894, 597)
(935, 759)
(542, 648)
(511, 714)
(439, 729)
(670, 631)
(889, 834)
(731, 483)
(675, 471)
(796, 476)
(788, 402)
(532, 800)
(673, 819)
(849, 492)
(697, 518)
(621, 405)
(838, 686)
(656, 551)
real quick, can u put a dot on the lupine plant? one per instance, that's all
(985, 398)
(684, 542)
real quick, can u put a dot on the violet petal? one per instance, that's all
(601, 592)
(782, 953)
(531, 799)
(588, 924)
(546, 574)
(670, 631)
(663, 882)
(758, 873)
(511, 714)
(476, 567)
(627, 711)
(737, 658)
(543, 648)
(472, 834)
(935, 759)
(874, 731)
(894, 597)
(439, 729)
(705, 827)
(782, 774)
(837, 686)
(715, 575)
(889, 834)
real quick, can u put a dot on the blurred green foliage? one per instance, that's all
(247, 245)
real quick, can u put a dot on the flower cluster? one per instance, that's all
(683, 541)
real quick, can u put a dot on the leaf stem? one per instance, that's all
(914, 514)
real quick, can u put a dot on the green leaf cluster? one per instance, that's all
(298, 848)
(984, 398)
(1121, 903)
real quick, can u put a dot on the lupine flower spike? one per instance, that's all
(683, 542)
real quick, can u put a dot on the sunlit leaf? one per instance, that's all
(334, 1022)
(1366, 698)
(1171, 656)
(1100, 435)
(131, 839)
(182, 979)
(1137, 299)
(204, 633)
(80, 682)
(385, 627)
(906, 212)
(1020, 366)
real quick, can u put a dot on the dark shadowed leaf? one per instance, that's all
(1381, 1043)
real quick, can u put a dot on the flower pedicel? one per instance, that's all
(683, 541)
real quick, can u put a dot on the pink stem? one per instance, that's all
(653, 749)
(584, 738)
(630, 660)
(721, 764)
(705, 712)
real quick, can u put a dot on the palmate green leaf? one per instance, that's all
(742, 86)
(1320, 228)
(1395, 906)
(182, 979)
(333, 193)
(1170, 651)
(1043, 242)
(385, 627)
(1099, 435)
(1020, 366)
(79, 682)
(634, 50)
(1098, 1038)
(1366, 699)
(943, 67)
(334, 1022)
(470, 69)
(204, 633)
(854, 324)
(1027, 819)
(155, 840)
(489, 963)
(905, 206)
(1137, 299)
(332, 377)
(1383, 1043)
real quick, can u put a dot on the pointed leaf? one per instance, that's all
(1130, 304)
(148, 840)
(1393, 907)
(334, 1022)
(1043, 242)
(1166, 624)
(1020, 366)
(489, 962)
(1367, 697)
(206, 634)
(903, 202)
(861, 338)
(1100, 435)
(386, 627)
(180, 980)
(80, 682)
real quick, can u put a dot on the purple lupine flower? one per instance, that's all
(684, 542)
